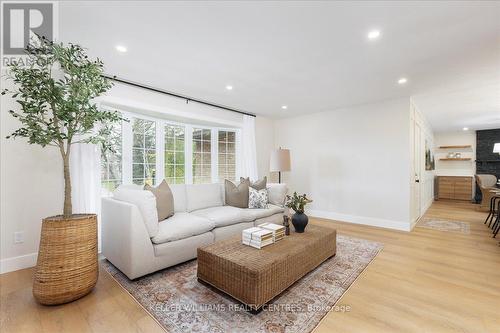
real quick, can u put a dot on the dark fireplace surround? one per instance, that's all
(487, 162)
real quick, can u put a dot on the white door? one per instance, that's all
(415, 180)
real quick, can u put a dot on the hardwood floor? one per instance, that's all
(423, 281)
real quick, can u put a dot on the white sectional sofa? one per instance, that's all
(136, 243)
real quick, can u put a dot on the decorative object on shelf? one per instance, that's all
(454, 155)
(280, 161)
(297, 203)
(55, 88)
(286, 224)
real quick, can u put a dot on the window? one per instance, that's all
(146, 150)
(202, 152)
(227, 155)
(143, 151)
(174, 154)
(111, 161)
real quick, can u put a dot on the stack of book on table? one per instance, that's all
(257, 237)
(278, 230)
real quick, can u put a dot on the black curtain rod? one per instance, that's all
(187, 98)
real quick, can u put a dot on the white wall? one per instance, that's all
(31, 177)
(31, 188)
(264, 138)
(456, 168)
(353, 162)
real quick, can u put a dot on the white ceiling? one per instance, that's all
(311, 56)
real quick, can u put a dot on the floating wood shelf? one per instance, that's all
(455, 159)
(455, 147)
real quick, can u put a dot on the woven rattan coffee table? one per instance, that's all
(253, 276)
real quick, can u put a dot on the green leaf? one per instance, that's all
(55, 93)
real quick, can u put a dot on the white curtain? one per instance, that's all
(85, 169)
(248, 149)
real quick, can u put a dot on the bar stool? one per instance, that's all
(496, 225)
(493, 212)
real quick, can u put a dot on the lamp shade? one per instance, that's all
(280, 160)
(496, 148)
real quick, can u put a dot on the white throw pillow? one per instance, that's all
(277, 194)
(257, 199)
(179, 193)
(145, 201)
(201, 196)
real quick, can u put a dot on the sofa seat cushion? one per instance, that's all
(223, 215)
(259, 213)
(180, 226)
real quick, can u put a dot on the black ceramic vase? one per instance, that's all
(299, 221)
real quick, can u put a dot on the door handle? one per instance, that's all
(417, 180)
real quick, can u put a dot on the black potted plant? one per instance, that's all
(297, 203)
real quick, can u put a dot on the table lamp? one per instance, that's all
(496, 148)
(280, 161)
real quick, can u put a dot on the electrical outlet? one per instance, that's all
(18, 237)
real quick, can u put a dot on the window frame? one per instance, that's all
(155, 180)
(184, 126)
(106, 192)
(236, 143)
(160, 124)
(193, 127)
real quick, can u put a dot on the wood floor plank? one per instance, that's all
(422, 281)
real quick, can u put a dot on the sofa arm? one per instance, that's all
(125, 239)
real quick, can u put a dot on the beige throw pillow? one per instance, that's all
(164, 199)
(257, 185)
(236, 196)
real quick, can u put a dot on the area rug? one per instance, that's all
(444, 225)
(180, 303)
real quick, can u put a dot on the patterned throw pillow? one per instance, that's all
(257, 199)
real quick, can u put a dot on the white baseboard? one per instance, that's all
(16, 263)
(374, 222)
(428, 205)
(426, 208)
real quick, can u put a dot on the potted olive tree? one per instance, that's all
(55, 89)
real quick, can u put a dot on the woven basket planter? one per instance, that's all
(67, 267)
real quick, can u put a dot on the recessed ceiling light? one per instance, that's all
(465, 128)
(121, 48)
(284, 107)
(229, 87)
(374, 34)
(402, 80)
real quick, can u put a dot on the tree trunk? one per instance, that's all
(68, 208)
